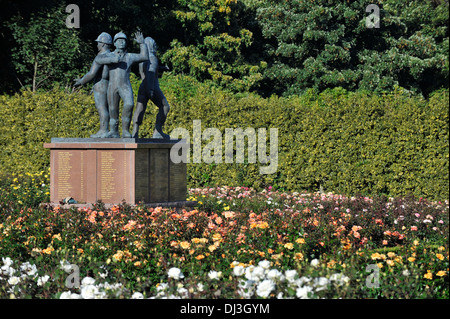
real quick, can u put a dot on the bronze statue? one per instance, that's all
(119, 83)
(99, 72)
(150, 90)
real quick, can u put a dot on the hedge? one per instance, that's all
(351, 143)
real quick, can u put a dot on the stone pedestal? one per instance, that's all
(114, 170)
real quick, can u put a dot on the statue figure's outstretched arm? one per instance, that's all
(99, 61)
(107, 58)
(90, 75)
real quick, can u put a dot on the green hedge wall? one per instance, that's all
(29, 120)
(336, 141)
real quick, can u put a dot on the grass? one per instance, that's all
(238, 243)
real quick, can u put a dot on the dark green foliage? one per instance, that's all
(213, 45)
(31, 119)
(46, 49)
(324, 44)
(281, 47)
(336, 141)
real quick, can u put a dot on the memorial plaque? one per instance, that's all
(159, 172)
(113, 176)
(70, 175)
(142, 176)
(177, 182)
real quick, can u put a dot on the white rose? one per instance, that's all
(315, 262)
(238, 271)
(275, 274)
(182, 291)
(66, 266)
(87, 281)
(303, 280)
(14, 280)
(175, 273)
(290, 274)
(264, 264)
(302, 292)
(254, 273)
(137, 295)
(200, 287)
(7, 270)
(340, 279)
(320, 283)
(162, 286)
(42, 280)
(28, 268)
(264, 288)
(7, 261)
(246, 288)
(65, 295)
(89, 291)
(259, 272)
(214, 275)
(249, 272)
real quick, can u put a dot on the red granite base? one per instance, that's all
(115, 170)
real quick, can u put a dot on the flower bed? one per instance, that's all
(238, 243)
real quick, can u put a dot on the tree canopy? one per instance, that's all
(268, 46)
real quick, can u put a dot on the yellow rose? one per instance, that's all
(391, 254)
(440, 256)
(299, 256)
(217, 237)
(428, 275)
(185, 245)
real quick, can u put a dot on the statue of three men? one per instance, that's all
(111, 74)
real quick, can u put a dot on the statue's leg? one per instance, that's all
(128, 104)
(161, 102)
(101, 102)
(113, 101)
(139, 112)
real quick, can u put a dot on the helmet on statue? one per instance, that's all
(104, 38)
(120, 35)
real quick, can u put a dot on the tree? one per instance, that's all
(422, 43)
(213, 44)
(326, 43)
(46, 50)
